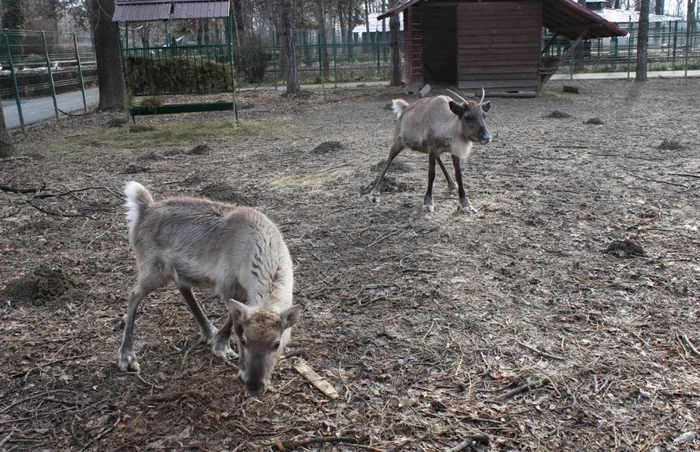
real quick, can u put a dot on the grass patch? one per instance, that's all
(169, 135)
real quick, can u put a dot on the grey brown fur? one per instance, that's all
(434, 126)
(235, 250)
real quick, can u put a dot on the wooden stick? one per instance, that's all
(102, 434)
(690, 344)
(525, 388)
(315, 379)
(469, 441)
(541, 353)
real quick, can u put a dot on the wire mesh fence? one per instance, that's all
(671, 46)
(45, 73)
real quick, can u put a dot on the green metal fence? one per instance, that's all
(45, 73)
(38, 67)
(671, 46)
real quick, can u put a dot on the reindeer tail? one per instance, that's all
(398, 106)
(137, 200)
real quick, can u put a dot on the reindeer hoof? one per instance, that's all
(466, 210)
(127, 361)
(428, 208)
(223, 351)
(207, 337)
(374, 197)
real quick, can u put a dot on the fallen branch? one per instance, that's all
(657, 180)
(9, 189)
(696, 176)
(50, 363)
(307, 372)
(10, 159)
(525, 388)
(7, 438)
(293, 444)
(541, 353)
(690, 344)
(59, 214)
(470, 441)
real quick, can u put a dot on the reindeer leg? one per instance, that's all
(450, 181)
(428, 200)
(206, 329)
(464, 206)
(126, 355)
(395, 150)
(221, 343)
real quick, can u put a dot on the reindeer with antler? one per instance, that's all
(434, 126)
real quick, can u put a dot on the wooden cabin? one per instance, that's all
(490, 44)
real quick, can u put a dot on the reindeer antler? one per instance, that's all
(463, 99)
(483, 95)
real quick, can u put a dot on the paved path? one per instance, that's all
(38, 109)
(41, 108)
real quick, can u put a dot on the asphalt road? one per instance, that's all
(41, 108)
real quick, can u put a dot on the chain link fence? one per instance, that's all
(45, 74)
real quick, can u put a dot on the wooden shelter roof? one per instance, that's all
(149, 10)
(565, 17)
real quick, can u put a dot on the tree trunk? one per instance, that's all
(642, 41)
(351, 8)
(659, 7)
(691, 14)
(323, 38)
(7, 148)
(109, 62)
(291, 73)
(579, 52)
(394, 45)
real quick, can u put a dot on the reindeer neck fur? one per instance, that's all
(461, 146)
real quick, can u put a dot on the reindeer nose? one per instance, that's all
(255, 388)
(484, 136)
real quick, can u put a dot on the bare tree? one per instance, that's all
(659, 7)
(642, 41)
(291, 73)
(692, 22)
(323, 38)
(109, 61)
(394, 45)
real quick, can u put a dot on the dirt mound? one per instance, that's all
(41, 287)
(327, 147)
(558, 114)
(200, 149)
(191, 180)
(389, 185)
(671, 145)
(224, 193)
(133, 168)
(396, 167)
(594, 121)
(626, 248)
(173, 151)
(150, 156)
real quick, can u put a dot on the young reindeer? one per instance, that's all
(235, 250)
(437, 125)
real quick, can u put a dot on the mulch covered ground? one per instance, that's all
(563, 315)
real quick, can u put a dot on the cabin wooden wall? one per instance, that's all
(440, 44)
(498, 44)
(413, 25)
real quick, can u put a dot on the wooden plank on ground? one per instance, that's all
(315, 379)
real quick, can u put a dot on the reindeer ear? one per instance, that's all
(238, 311)
(457, 108)
(291, 316)
(486, 106)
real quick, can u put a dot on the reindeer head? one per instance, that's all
(261, 338)
(472, 117)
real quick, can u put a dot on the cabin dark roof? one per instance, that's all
(565, 17)
(147, 10)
